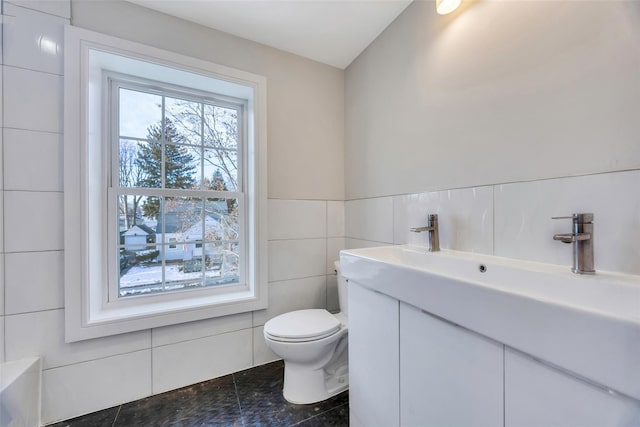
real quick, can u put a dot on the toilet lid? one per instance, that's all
(303, 324)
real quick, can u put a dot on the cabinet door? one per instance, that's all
(373, 358)
(449, 376)
(538, 395)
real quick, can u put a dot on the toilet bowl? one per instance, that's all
(313, 344)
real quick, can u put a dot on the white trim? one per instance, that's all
(86, 314)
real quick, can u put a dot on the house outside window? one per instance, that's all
(165, 188)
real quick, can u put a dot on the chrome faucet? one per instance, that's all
(432, 228)
(582, 239)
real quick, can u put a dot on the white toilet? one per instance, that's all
(313, 344)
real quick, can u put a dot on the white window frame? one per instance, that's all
(89, 313)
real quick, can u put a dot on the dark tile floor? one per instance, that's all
(244, 399)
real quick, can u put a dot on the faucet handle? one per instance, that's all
(562, 217)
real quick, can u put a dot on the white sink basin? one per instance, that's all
(586, 324)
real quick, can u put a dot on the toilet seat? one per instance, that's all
(302, 326)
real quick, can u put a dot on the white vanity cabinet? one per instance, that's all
(538, 395)
(373, 358)
(449, 376)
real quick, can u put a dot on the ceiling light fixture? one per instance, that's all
(446, 6)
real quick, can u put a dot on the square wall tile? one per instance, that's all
(31, 95)
(61, 8)
(33, 221)
(465, 218)
(2, 219)
(334, 246)
(370, 219)
(297, 219)
(42, 333)
(294, 259)
(261, 353)
(34, 281)
(34, 40)
(1, 92)
(1, 339)
(188, 362)
(359, 244)
(33, 160)
(200, 329)
(292, 295)
(335, 219)
(2, 287)
(79, 389)
(524, 228)
(1, 107)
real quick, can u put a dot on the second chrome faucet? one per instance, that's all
(581, 237)
(432, 228)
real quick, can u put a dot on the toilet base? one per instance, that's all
(304, 386)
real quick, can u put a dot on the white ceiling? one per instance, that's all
(334, 32)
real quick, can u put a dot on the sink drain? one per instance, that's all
(482, 268)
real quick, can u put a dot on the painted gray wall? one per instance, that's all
(496, 92)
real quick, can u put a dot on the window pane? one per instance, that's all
(221, 263)
(131, 164)
(221, 169)
(140, 270)
(221, 219)
(140, 113)
(182, 167)
(140, 164)
(182, 219)
(131, 213)
(184, 121)
(220, 127)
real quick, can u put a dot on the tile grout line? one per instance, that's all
(235, 387)
(116, 418)
(317, 415)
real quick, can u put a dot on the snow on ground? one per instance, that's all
(140, 275)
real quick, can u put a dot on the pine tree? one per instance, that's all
(178, 164)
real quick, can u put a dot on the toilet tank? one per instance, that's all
(343, 293)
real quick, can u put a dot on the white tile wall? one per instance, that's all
(292, 295)
(188, 362)
(261, 353)
(82, 388)
(334, 246)
(33, 40)
(370, 219)
(2, 284)
(514, 220)
(358, 243)
(465, 218)
(35, 99)
(61, 8)
(36, 221)
(1, 92)
(35, 281)
(297, 219)
(524, 228)
(335, 219)
(42, 334)
(199, 329)
(43, 170)
(2, 339)
(2, 220)
(293, 259)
